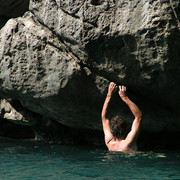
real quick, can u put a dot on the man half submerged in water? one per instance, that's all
(115, 130)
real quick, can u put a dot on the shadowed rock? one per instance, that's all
(12, 9)
(17, 115)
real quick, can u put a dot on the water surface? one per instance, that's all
(31, 160)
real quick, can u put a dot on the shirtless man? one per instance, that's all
(115, 130)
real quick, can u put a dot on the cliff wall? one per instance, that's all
(59, 57)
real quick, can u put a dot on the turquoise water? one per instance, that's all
(30, 160)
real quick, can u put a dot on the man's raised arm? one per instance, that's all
(105, 121)
(135, 128)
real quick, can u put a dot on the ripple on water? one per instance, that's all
(29, 160)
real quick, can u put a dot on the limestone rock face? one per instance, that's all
(40, 71)
(59, 59)
(134, 42)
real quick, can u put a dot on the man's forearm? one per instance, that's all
(111, 89)
(105, 106)
(134, 109)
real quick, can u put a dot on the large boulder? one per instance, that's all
(37, 69)
(59, 59)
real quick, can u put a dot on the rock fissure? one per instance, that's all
(72, 14)
(67, 49)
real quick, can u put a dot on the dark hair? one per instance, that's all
(118, 127)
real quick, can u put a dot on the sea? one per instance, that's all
(22, 159)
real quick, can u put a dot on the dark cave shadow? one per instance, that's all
(114, 51)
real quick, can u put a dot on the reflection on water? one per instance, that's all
(30, 160)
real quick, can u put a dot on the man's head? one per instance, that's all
(118, 127)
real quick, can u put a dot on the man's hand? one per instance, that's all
(122, 91)
(112, 88)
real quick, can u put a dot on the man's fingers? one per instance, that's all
(112, 84)
(122, 88)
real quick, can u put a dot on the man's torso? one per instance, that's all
(121, 146)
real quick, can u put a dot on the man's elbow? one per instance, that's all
(103, 116)
(139, 116)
